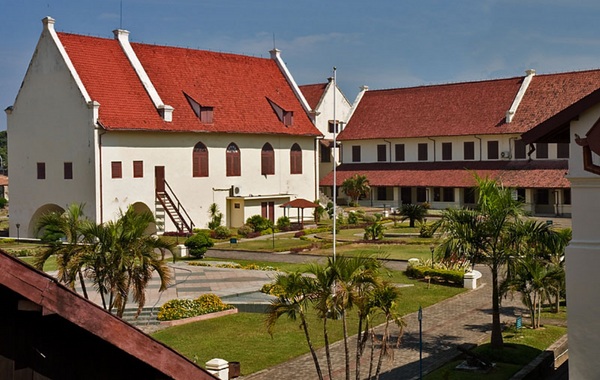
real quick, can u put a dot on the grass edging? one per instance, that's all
(545, 362)
(203, 317)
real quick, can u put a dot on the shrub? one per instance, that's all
(283, 223)
(245, 230)
(221, 232)
(374, 231)
(198, 244)
(352, 217)
(436, 274)
(3, 202)
(258, 223)
(426, 230)
(186, 308)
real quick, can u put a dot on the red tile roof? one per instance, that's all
(300, 203)
(313, 93)
(466, 108)
(236, 86)
(527, 174)
(54, 298)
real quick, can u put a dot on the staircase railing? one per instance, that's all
(184, 218)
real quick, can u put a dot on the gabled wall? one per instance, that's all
(50, 122)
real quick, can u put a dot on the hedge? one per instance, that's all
(435, 274)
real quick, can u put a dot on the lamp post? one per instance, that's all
(420, 316)
(18, 225)
(432, 248)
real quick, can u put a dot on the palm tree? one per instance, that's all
(355, 187)
(489, 240)
(293, 302)
(413, 212)
(56, 227)
(385, 299)
(120, 258)
(530, 279)
(351, 275)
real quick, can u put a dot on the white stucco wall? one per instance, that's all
(174, 152)
(583, 258)
(50, 122)
(325, 112)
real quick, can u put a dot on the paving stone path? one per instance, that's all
(465, 318)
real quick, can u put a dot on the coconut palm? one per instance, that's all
(63, 232)
(293, 301)
(355, 187)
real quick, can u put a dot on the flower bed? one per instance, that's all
(178, 309)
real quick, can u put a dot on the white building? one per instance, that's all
(331, 111)
(111, 123)
(579, 125)
(422, 144)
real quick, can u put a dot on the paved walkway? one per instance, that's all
(465, 318)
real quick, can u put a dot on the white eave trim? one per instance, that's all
(49, 28)
(165, 111)
(276, 56)
(510, 114)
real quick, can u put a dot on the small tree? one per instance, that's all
(355, 187)
(413, 212)
(374, 231)
(198, 244)
(215, 216)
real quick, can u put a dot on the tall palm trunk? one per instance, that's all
(496, 341)
(346, 348)
(327, 351)
(311, 347)
(383, 350)
(83, 288)
(361, 340)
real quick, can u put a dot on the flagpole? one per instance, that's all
(335, 126)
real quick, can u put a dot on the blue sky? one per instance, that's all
(380, 43)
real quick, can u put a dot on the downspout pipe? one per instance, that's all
(434, 158)
(480, 142)
(390, 144)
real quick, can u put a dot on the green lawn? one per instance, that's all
(520, 348)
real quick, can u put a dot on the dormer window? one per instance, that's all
(286, 117)
(203, 112)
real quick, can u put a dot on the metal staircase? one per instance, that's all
(172, 207)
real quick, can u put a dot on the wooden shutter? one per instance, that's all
(296, 159)
(68, 170)
(116, 169)
(200, 161)
(41, 170)
(267, 160)
(138, 169)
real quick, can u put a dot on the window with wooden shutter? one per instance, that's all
(296, 159)
(562, 150)
(381, 153)
(469, 150)
(355, 153)
(200, 161)
(422, 152)
(138, 169)
(447, 151)
(267, 159)
(233, 161)
(520, 149)
(399, 148)
(541, 150)
(116, 169)
(41, 170)
(68, 170)
(492, 150)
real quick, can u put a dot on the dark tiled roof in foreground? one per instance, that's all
(515, 173)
